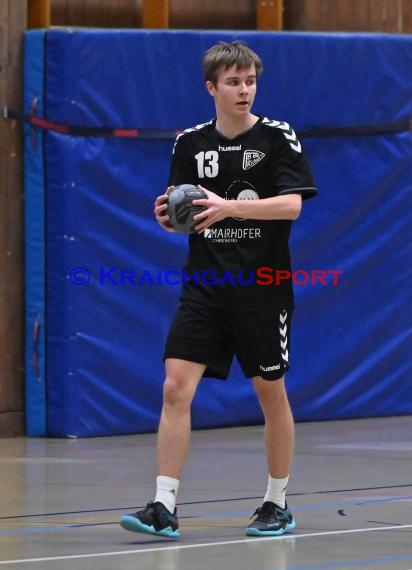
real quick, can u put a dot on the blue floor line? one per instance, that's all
(209, 501)
(295, 508)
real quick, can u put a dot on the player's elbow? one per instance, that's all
(295, 206)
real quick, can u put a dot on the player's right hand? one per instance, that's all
(160, 210)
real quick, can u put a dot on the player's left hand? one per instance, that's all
(217, 209)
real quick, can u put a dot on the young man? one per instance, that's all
(255, 174)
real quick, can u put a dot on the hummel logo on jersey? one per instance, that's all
(251, 158)
(288, 133)
(227, 148)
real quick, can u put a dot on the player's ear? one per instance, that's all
(210, 86)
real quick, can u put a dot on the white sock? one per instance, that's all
(166, 491)
(276, 491)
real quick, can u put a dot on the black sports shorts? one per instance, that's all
(212, 336)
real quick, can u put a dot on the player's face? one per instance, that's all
(234, 92)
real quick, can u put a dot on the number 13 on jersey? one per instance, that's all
(207, 163)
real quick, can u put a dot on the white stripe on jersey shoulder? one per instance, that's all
(287, 130)
(196, 128)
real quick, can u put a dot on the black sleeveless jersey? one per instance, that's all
(235, 263)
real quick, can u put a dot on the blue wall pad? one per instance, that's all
(35, 225)
(95, 253)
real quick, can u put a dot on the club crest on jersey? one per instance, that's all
(251, 158)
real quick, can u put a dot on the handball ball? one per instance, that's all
(181, 210)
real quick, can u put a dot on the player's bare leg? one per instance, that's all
(159, 518)
(274, 517)
(279, 426)
(173, 440)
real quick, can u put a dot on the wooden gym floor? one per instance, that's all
(351, 494)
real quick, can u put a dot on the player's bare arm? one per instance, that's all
(286, 207)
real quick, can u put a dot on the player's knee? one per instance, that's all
(271, 392)
(176, 391)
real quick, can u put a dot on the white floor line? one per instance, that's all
(205, 544)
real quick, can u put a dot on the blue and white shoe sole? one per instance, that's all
(134, 525)
(256, 532)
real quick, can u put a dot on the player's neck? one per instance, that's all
(231, 127)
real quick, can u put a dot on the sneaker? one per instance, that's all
(154, 519)
(271, 520)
